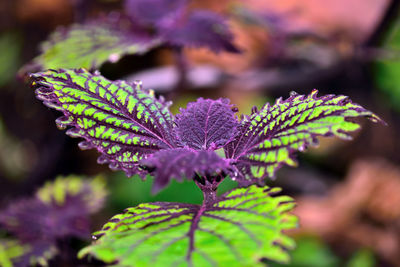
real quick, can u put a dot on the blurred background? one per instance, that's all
(348, 193)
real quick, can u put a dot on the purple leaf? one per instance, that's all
(270, 137)
(123, 122)
(31, 220)
(206, 124)
(203, 28)
(182, 162)
(60, 210)
(239, 228)
(155, 13)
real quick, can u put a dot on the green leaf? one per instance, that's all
(240, 228)
(124, 122)
(270, 137)
(90, 45)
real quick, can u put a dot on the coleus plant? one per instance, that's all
(59, 210)
(206, 142)
(144, 25)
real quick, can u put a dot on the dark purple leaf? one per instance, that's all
(182, 163)
(31, 220)
(206, 124)
(60, 210)
(155, 13)
(122, 121)
(203, 28)
(270, 137)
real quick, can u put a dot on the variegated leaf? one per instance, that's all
(14, 253)
(11, 251)
(270, 137)
(60, 210)
(123, 122)
(91, 193)
(90, 45)
(237, 229)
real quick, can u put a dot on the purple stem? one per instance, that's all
(208, 185)
(81, 9)
(182, 66)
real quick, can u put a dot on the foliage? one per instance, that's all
(362, 258)
(387, 68)
(59, 210)
(10, 45)
(236, 229)
(90, 45)
(269, 137)
(311, 252)
(206, 124)
(134, 131)
(15, 160)
(136, 31)
(10, 250)
(123, 123)
(130, 127)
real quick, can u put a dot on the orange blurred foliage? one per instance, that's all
(362, 211)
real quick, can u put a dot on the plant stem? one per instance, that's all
(182, 67)
(81, 9)
(209, 188)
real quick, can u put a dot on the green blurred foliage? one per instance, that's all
(182, 101)
(16, 157)
(362, 258)
(129, 192)
(387, 70)
(311, 252)
(10, 47)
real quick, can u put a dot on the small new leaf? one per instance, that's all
(90, 45)
(182, 162)
(122, 121)
(206, 124)
(269, 138)
(238, 229)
